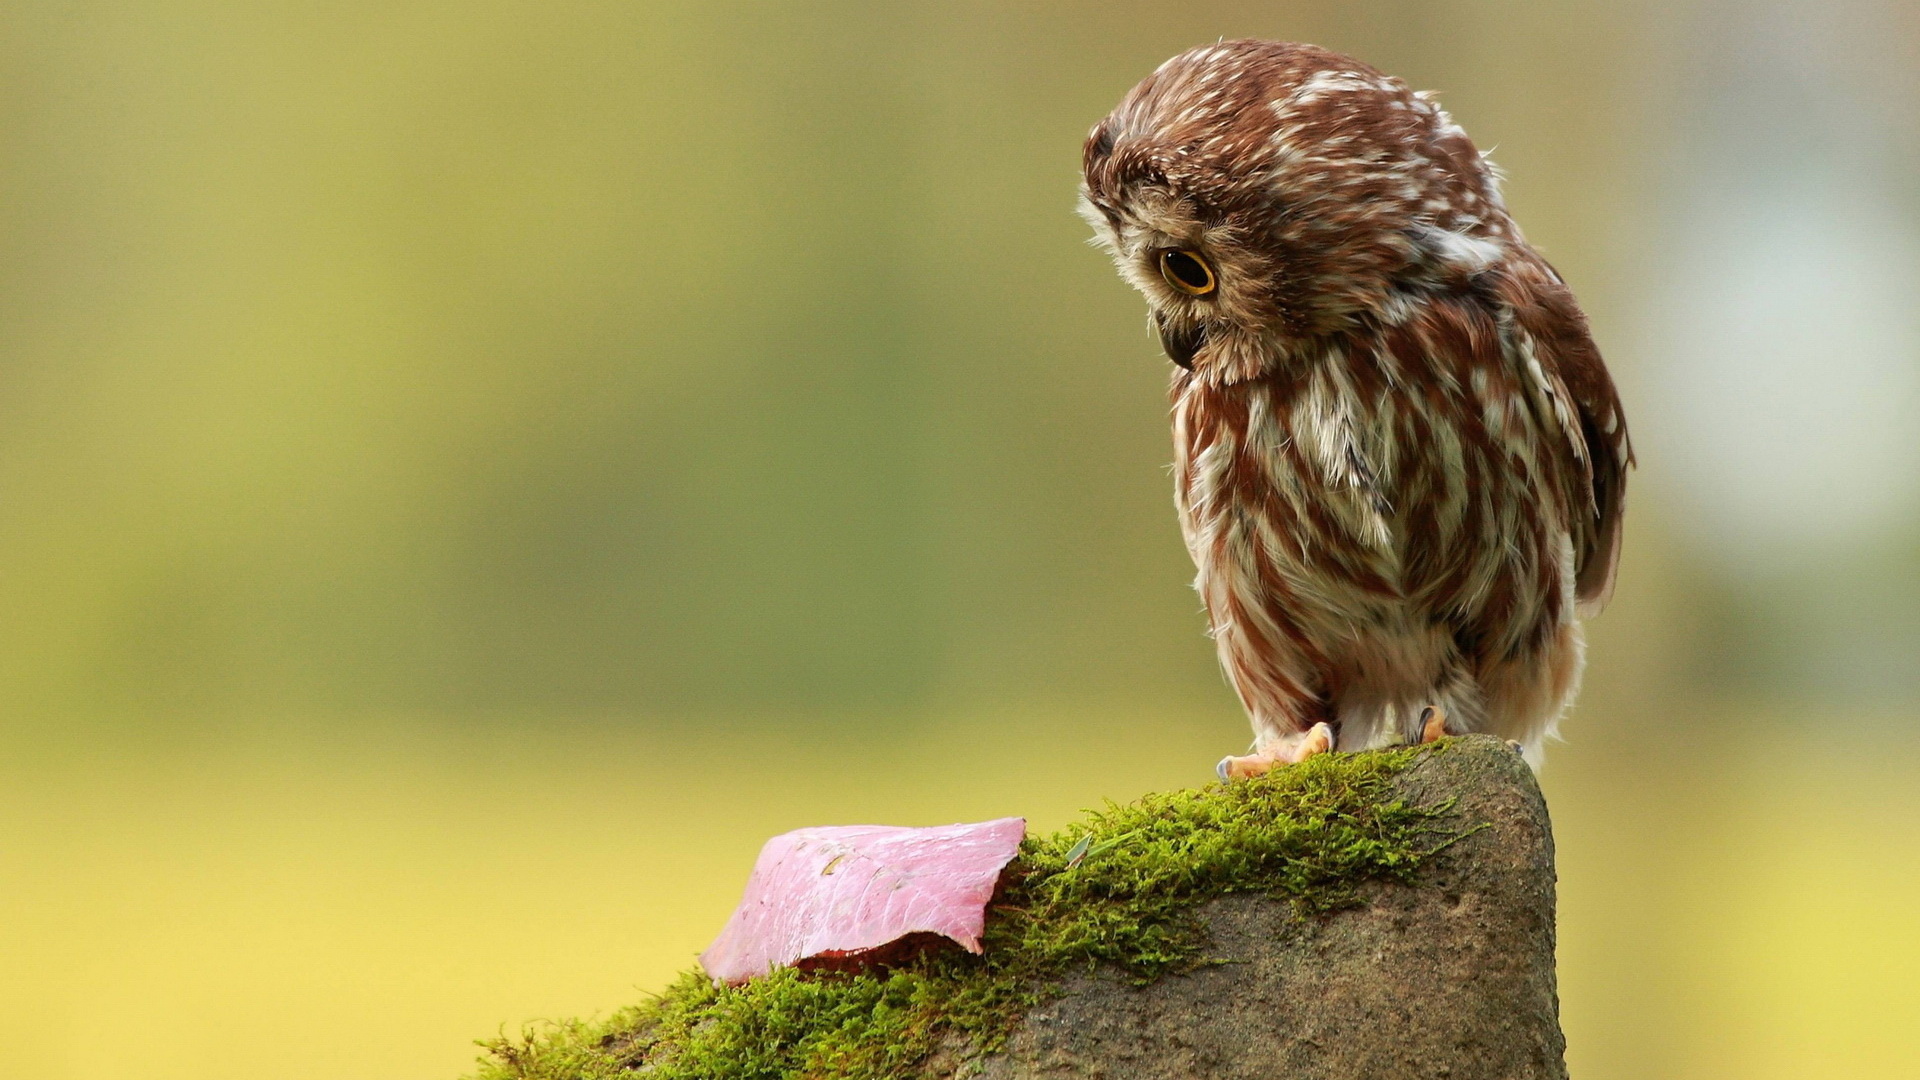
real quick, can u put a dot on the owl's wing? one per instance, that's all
(1562, 357)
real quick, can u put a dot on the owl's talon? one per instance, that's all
(1433, 724)
(1288, 750)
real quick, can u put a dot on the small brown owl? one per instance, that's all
(1399, 461)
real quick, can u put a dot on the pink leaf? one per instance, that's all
(841, 890)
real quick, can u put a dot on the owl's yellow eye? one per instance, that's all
(1188, 272)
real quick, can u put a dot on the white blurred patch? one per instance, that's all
(1788, 368)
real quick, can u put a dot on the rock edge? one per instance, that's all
(1450, 978)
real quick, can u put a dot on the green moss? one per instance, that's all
(1310, 834)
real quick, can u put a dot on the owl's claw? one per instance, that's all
(1433, 724)
(1290, 750)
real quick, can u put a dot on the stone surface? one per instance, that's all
(1450, 978)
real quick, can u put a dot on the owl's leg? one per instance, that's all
(1455, 707)
(1525, 696)
(1289, 749)
(1292, 721)
(1433, 728)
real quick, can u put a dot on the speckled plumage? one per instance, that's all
(1399, 460)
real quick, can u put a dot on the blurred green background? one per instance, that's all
(470, 472)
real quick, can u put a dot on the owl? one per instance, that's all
(1400, 463)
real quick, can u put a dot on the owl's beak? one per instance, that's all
(1180, 344)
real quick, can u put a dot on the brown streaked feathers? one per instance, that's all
(1400, 463)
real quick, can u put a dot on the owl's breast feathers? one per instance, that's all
(1462, 466)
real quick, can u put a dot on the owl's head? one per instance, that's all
(1263, 195)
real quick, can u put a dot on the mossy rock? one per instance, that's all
(1386, 914)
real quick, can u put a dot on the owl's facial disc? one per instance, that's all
(1181, 342)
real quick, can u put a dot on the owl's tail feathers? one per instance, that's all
(1286, 750)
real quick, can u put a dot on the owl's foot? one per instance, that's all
(1287, 750)
(1433, 724)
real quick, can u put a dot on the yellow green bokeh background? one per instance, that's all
(471, 472)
